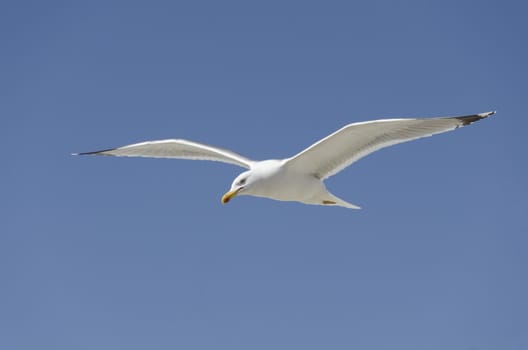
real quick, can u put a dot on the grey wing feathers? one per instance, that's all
(354, 141)
(176, 148)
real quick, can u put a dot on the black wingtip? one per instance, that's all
(94, 153)
(468, 119)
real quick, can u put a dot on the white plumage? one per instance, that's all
(300, 178)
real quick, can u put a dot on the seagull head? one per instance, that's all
(240, 184)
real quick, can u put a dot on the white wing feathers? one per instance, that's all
(181, 149)
(354, 141)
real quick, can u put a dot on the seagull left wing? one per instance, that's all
(174, 148)
(354, 141)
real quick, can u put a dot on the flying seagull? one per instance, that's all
(300, 178)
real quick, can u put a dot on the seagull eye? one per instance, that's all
(241, 182)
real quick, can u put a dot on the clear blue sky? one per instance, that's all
(112, 253)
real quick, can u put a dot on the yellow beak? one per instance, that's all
(229, 195)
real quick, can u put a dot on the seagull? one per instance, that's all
(301, 178)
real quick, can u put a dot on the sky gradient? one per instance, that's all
(116, 253)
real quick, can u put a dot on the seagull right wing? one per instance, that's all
(355, 141)
(176, 148)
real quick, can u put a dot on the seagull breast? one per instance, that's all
(271, 179)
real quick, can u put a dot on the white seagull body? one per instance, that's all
(300, 178)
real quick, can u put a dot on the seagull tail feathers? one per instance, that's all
(333, 200)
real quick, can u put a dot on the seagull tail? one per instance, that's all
(333, 200)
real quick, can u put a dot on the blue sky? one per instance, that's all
(111, 253)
